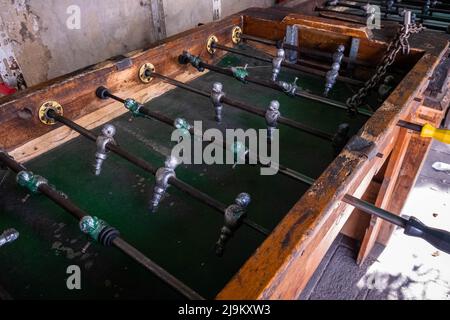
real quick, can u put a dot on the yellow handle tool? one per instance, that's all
(442, 135)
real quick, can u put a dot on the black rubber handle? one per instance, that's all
(436, 237)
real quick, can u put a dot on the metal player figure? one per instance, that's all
(385, 88)
(162, 181)
(332, 75)
(276, 63)
(272, 116)
(107, 136)
(234, 215)
(332, 3)
(216, 96)
(331, 78)
(289, 88)
(8, 236)
(339, 54)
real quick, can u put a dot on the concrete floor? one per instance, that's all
(408, 268)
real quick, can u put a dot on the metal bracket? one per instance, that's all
(49, 105)
(8, 236)
(236, 35)
(353, 54)
(146, 71)
(363, 147)
(212, 39)
(292, 39)
(123, 64)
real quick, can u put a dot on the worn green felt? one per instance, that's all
(181, 235)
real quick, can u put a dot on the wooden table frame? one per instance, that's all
(281, 267)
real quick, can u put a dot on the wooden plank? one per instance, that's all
(325, 38)
(415, 155)
(356, 225)
(304, 259)
(63, 134)
(384, 195)
(330, 25)
(282, 265)
(417, 151)
(76, 92)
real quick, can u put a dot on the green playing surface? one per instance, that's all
(181, 235)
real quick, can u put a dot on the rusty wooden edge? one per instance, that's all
(262, 274)
(309, 215)
(76, 92)
(347, 29)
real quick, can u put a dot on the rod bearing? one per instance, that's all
(209, 44)
(146, 71)
(43, 112)
(236, 35)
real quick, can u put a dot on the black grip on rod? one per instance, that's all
(440, 239)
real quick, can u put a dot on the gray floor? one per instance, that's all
(408, 268)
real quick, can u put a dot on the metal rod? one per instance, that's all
(409, 125)
(118, 242)
(246, 107)
(274, 86)
(292, 66)
(301, 50)
(182, 186)
(268, 59)
(155, 269)
(109, 94)
(281, 169)
(373, 210)
(420, 16)
(397, 4)
(285, 170)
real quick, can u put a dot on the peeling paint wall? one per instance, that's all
(40, 38)
(45, 47)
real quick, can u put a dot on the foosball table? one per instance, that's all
(352, 111)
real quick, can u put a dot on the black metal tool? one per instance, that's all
(413, 227)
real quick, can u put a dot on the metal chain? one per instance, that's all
(400, 42)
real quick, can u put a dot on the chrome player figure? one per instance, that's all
(8, 236)
(331, 77)
(162, 181)
(289, 88)
(216, 96)
(272, 116)
(276, 63)
(234, 215)
(339, 54)
(107, 136)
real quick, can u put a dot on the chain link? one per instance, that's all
(400, 42)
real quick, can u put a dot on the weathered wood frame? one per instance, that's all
(283, 264)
